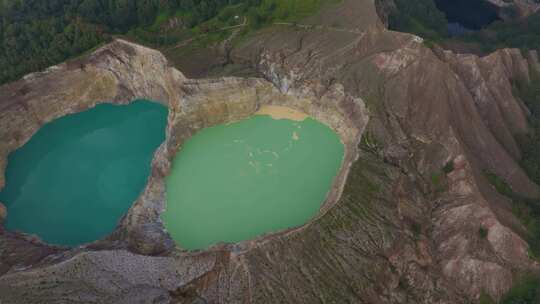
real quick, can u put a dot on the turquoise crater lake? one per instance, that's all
(237, 181)
(78, 175)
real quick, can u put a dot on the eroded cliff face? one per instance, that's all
(396, 228)
(426, 109)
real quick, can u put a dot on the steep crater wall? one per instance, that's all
(205, 103)
(121, 72)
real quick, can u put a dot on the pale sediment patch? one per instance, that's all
(280, 112)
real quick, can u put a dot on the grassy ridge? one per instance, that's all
(247, 15)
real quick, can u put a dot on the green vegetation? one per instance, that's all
(523, 34)
(423, 18)
(525, 291)
(437, 180)
(243, 15)
(416, 229)
(37, 34)
(283, 10)
(483, 232)
(449, 167)
(526, 210)
(500, 184)
(419, 17)
(529, 214)
(529, 210)
(485, 299)
(530, 144)
(370, 143)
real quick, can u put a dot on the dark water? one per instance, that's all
(77, 176)
(236, 181)
(470, 14)
(456, 29)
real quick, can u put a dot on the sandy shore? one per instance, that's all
(280, 112)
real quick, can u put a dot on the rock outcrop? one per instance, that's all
(396, 227)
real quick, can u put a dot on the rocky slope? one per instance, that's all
(397, 228)
(425, 112)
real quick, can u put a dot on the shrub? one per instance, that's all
(485, 299)
(525, 291)
(449, 167)
(483, 232)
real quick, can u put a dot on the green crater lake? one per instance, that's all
(237, 181)
(78, 175)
